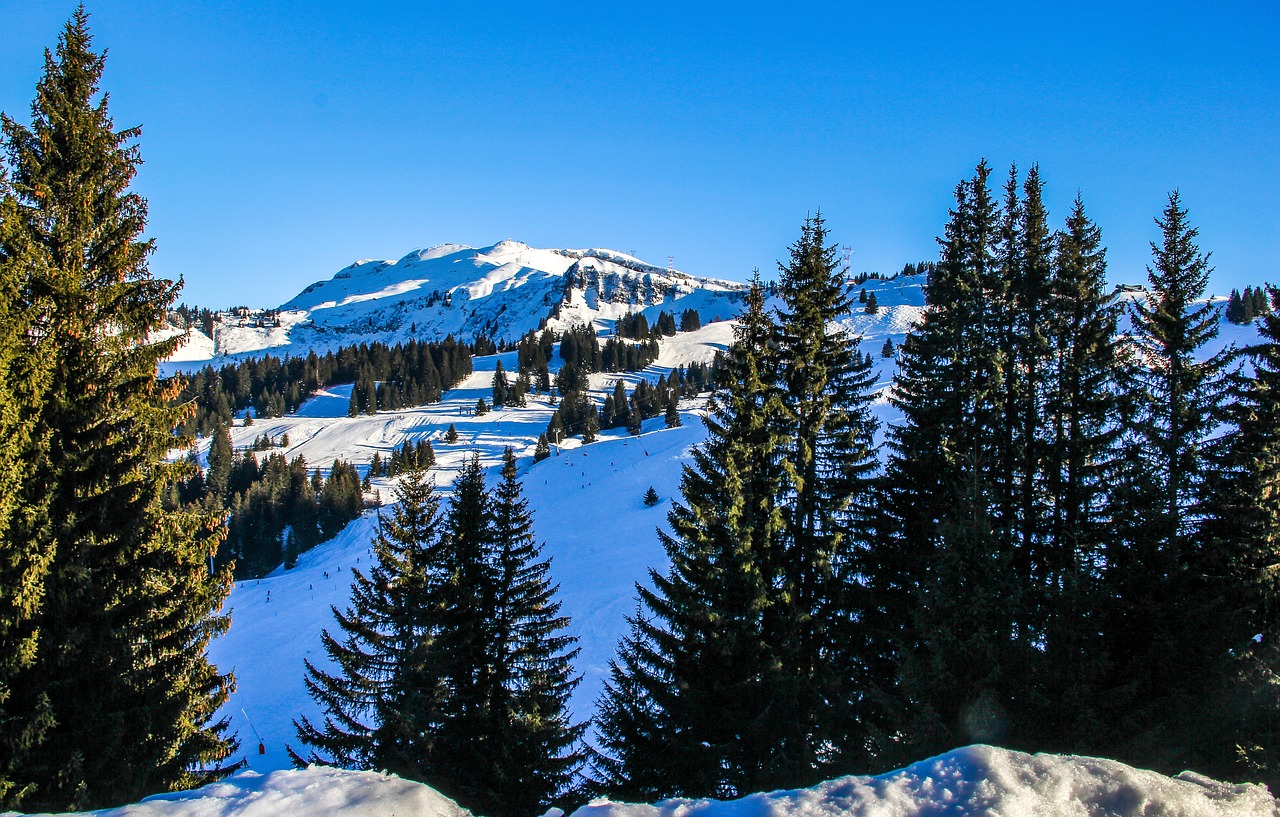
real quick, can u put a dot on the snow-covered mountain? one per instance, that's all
(586, 500)
(502, 292)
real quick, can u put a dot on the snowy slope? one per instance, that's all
(976, 781)
(587, 506)
(586, 501)
(196, 345)
(984, 780)
(502, 291)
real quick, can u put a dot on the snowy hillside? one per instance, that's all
(586, 501)
(502, 291)
(977, 780)
(588, 510)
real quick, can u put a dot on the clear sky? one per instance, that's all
(284, 140)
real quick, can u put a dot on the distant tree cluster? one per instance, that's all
(635, 325)
(452, 665)
(277, 508)
(385, 377)
(582, 353)
(196, 317)
(919, 268)
(409, 456)
(1246, 308)
(578, 414)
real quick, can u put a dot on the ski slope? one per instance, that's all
(586, 502)
(587, 506)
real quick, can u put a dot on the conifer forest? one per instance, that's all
(1046, 519)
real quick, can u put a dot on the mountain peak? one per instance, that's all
(501, 291)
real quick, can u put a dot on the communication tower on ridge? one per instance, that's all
(671, 260)
(846, 252)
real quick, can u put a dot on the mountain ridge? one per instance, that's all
(501, 292)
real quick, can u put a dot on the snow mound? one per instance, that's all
(315, 792)
(976, 780)
(983, 780)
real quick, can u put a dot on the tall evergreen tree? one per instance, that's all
(25, 549)
(830, 459)
(462, 739)
(384, 704)
(1082, 422)
(692, 703)
(1240, 712)
(940, 667)
(221, 458)
(128, 605)
(533, 749)
(500, 386)
(1157, 622)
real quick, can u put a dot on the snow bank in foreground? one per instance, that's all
(983, 780)
(313, 792)
(977, 780)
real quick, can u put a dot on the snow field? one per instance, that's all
(587, 506)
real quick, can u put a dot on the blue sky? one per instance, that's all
(284, 140)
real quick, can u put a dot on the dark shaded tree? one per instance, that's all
(127, 606)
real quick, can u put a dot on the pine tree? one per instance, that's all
(542, 449)
(634, 416)
(830, 460)
(25, 550)
(1238, 717)
(590, 424)
(651, 498)
(1261, 302)
(533, 751)
(872, 307)
(1158, 622)
(1081, 415)
(461, 744)
(1235, 307)
(672, 415)
(451, 435)
(887, 350)
(934, 660)
(128, 605)
(221, 458)
(425, 455)
(694, 703)
(1028, 357)
(499, 386)
(384, 703)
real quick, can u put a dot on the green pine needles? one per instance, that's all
(105, 691)
(453, 667)
(737, 674)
